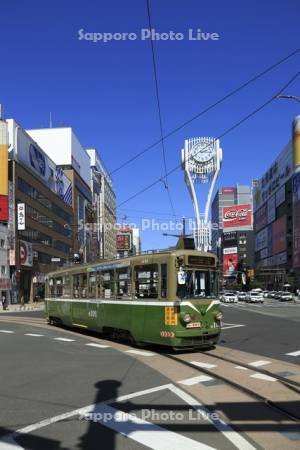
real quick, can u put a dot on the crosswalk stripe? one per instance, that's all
(297, 353)
(93, 344)
(259, 363)
(6, 331)
(202, 364)
(140, 352)
(64, 339)
(195, 380)
(261, 376)
(33, 335)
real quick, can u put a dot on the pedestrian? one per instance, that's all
(3, 300)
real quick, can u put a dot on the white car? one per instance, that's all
(254, 297)
(242, 296)
(229, 297)
(285, 297)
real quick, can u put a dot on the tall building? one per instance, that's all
(40, 214)
(5, 282)
(232, 230)
(63, 146)
(104, 205)
(277, 218)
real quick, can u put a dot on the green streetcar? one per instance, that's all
(167, 297)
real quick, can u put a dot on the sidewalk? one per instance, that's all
(27, 307)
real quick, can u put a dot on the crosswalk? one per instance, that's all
(293, 354)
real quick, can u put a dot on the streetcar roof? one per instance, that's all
(125, 261)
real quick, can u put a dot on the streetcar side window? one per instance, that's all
(80, 285)
(146, 281)
(163, 280)
(51, 288)
(58, 286)
(107, 284)
(123, 282)
(92, 285)
(66, 287)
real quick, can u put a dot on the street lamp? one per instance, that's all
(290, 97)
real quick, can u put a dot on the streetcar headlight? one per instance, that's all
(186, 318)
(219, 316)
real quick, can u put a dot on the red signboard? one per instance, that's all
(237, 216)
(4, 208)
(230, 265)
(123, 241)
(228, 190)
(279, 235)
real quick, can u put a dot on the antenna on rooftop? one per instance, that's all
(50, 120)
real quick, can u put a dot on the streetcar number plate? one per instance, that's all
(193, 325)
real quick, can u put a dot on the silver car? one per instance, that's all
(285, 297)
(254, 297)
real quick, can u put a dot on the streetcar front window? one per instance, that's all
(196, 284)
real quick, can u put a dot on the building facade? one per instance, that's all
(40, 222)
(104, 206)
(5, 282)
(277, 218)
(232, 231)
(63, 146)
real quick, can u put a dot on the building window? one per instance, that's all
(2, 243)
(33, 193)
(3, 270)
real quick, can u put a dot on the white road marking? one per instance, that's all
(6, 331)
(261, 376)
(259, 363)
(140, 352)
(33, 334)
(239, 441)
(195, 380)
(240, 368)
(64, 339)
(204, 365)
(8, 443)
(92, 344)
(226, 326)
(146, 433)
(297, 353)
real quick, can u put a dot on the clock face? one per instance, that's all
(202, 152)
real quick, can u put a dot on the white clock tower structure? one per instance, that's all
(201, 162)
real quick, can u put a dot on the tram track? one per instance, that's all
(288, 384)
(273, 405)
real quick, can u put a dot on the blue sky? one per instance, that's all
(106, 91)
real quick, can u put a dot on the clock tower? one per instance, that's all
(201, 162)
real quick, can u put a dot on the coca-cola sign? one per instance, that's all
(237, 216)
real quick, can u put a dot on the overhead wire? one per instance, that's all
(227, 131)
(208, 108)
(165, 178)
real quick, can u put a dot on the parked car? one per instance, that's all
(278, 295)
(254, 297)
(265, 294)
(272, 294)
(229, 297)
(286, 296)
(242, 296)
